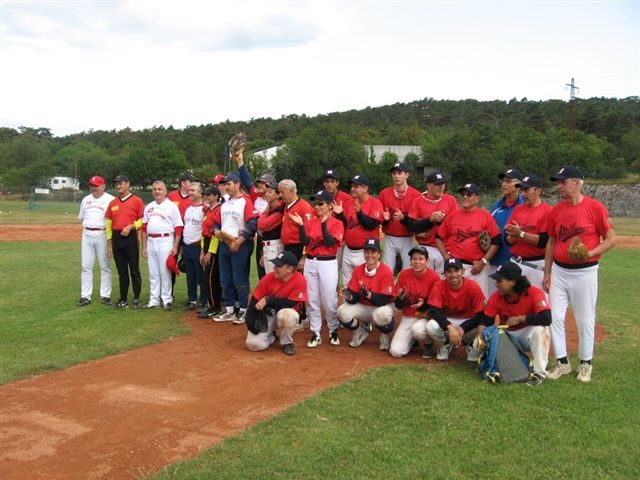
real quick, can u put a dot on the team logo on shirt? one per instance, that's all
(565, 233)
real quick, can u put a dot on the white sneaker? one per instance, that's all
(472, 354)
(334, 339)
(301, 325)
(360, 334)
(314, 341)
(558, 369)
(239, 320)
(584, 372)
(225, 317)
(444, 351)
(385, 341)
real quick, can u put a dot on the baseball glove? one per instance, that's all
(578, 251)
(255, 320)
(237, 143)
(485, 240)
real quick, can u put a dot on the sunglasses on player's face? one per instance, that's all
(319, 204)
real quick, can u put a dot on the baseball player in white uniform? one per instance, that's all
(94, 242)
(161, 232)
(573, 280)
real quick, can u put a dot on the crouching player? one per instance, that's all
(275, 304)
(368, 299)
(524, 308)
(453, 302)
(412, 291)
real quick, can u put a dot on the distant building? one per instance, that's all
(60, 183)
(375, 152)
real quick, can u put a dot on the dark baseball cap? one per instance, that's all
(399, 166)
(331, 173)
(267, 179)
(452, 263)
(322, 196)
(508, 270)
(232, 177)
(512, 173)
(422, 249)
(360, 180)
(212, 191)
(121, 178)
(436, 178)
(372, 243)
(285, 258)
(568, 171)
(471, 188)
(530, 181)
(187, 176)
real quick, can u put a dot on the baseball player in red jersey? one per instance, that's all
(209, 254)
(458, 236)
(453, 302)
(161, 232)
(293, 205)
(525, 309)
(344, 201)
(396, 201)
(181, 196)
(368, 298)
(361, 221)
(526, 230)
(94, 241)
(124, 219)
(270, 226)
(322, 237)
(279, 295)
(573, 281)
(412, 293)
(427, 212)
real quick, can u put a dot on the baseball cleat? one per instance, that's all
(135, 304)
(334, 339)
(444, 351)
(360, 334)
(314, 341)
(534, 380)
(225, 317)
(122, 304)
(289, 349)
(239, 320)
(106, 301)
(428, 351)
(168, 307)
(84, 302)
(472, 354)
(150, 307)
(584, 372)
(385, 341)
(558, 369)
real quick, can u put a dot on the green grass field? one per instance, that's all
(393, 422)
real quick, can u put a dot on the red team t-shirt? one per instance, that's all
(316, 246)
(461, 304)
(289, 233)
(418, 286)
(125, 212)
(182, 201)
(422, 207)
(294, 289)
(460, 232)
(589, 219)
(533, 220)
(381, 282)
(530, 302)
(392, 201)
(355, 234)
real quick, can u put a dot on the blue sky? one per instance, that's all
(72, 66)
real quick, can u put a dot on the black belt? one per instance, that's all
(93, 229)
(524, 262)
(355, 249)
(321, 258)
(575, 266)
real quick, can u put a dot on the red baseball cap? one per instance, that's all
(96, 181)
(219, 178)
(172, 265)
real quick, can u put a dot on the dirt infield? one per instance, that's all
(127, 416)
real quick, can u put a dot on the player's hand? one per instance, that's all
(437, 216)
(295, 218)
(418, 304)
(125, 231)
(478, 266)
(386, 216)
(109, 252)
(144, 252)
(546, 282)
(455, 334)
(398, 215)
(515, 320)
(338, 208)
(260, 304)
(356, 205)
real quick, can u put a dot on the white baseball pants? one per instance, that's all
(94, 244)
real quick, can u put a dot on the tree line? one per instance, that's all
(468, 140)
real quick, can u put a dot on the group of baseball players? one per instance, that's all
(422, 268)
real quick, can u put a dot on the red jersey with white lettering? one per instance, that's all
(423, 206)
(294, 289)
(380, 282)
(526, 303)
(290, 234)
(182, 201)
(460, 232)
(316, 246)
(463, 303)
(533, 220)
(161, 217)
(393, 200)
(589, 219)
(416, 287)
(355, 234)
(123, 212)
